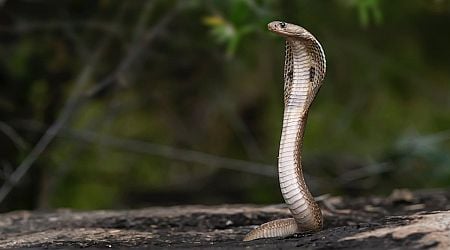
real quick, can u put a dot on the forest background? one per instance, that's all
(125, 104)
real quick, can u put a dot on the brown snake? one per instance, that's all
(304, 70)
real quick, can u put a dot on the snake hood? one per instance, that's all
(293, 33)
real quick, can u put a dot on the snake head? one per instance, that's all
(288, 29)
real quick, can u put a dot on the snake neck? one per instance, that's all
(299, 73)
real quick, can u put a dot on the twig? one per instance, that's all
(138, 44)
(137, 146)
(26, 26)
(176, 153)
(365, 171)
(18, 141)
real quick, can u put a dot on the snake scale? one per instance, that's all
(304, 70)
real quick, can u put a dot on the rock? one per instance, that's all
(350, 223)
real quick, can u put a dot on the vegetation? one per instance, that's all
(165, 102)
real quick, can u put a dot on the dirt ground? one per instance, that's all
(403, 220)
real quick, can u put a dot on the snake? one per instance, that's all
(304, 71)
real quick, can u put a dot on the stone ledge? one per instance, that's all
(407, 220)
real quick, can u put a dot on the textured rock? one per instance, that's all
(404, 219)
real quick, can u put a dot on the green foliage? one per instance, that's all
(369, 11)
(243, 17)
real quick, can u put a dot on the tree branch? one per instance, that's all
(143, 147)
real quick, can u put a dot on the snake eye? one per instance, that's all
(282, 25)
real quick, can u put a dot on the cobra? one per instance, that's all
(304, 71)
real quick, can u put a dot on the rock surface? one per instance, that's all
(419, 220)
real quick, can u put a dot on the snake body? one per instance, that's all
(304, 70)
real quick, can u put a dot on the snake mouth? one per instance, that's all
(278, 27)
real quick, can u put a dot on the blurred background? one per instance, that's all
(126, 104)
